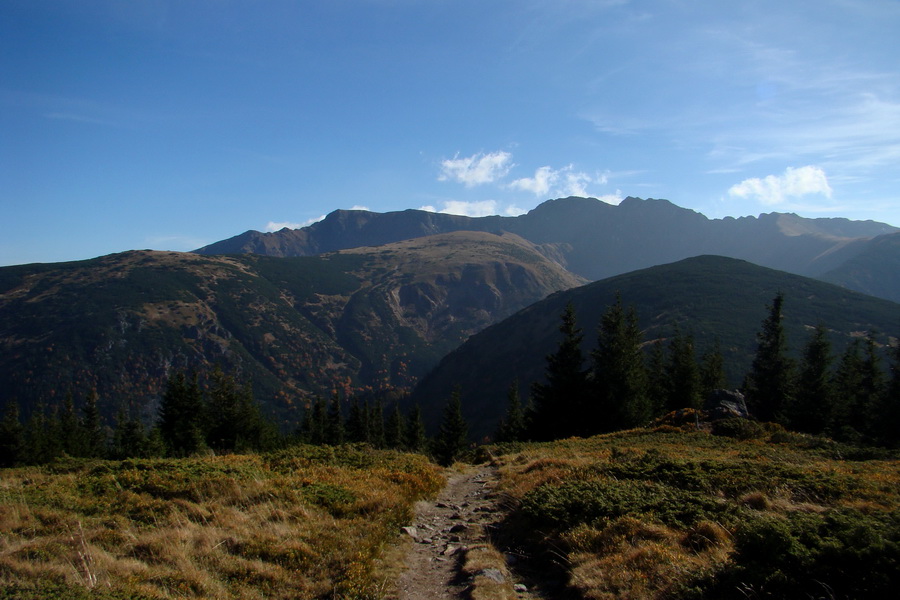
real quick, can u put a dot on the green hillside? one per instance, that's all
(711, 297)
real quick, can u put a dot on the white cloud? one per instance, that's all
(482, 208)
(279, 225)
(477, 169)
(359, 207)
(612, 198)
(559, 182)
(539, 185)
(774, 189)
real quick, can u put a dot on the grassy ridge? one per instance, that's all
(674, 514)
(308, 522)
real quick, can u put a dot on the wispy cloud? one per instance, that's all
(775, 189)
(477, 169)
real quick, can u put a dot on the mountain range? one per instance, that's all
(371, 303)
(596, 240)
(362, 319)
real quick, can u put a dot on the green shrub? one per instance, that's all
(839, 554)
(739, 429)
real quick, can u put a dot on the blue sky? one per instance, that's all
(174, 124)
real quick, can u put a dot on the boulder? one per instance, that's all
(725, 404)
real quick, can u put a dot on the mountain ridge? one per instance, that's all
(596, 240)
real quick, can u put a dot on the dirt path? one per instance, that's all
(461, 516)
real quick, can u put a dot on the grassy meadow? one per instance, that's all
(679, 514)
(307, 522)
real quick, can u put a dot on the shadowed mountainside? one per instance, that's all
(710, 297)
(365, 319)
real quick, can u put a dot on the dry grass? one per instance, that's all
(490, 578)
(645, 514)
(308, 523)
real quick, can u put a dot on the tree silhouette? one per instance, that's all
(769, 386)
(559, 403)
(619, 375)
(452, 437)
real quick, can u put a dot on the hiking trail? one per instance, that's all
(462, 516)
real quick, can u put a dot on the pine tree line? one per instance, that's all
(851, 398)
(325, 423)
(623, 385)
(221, 416)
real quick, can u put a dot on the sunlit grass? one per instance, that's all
(303, 523)
(681, 514)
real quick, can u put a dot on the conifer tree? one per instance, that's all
(559, 404)
(414, 438)
(888, 431)
(873, 386)
(657, 384)
(512, 427)
(334, 422)
(682, 374)
(72, 435)
(94, 434)
(39, 447)
(618, 371)
(813, 405)
(393, 428)
(12, 437)
(769, 387)
(846, 423)
(182, 415)
(129, 438)
(376, 423)
(357, 427)
(318, 422)
(712, 371)
(452, 437)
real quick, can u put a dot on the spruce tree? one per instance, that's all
(129, 438)
(376, 423)
(619, 376)
(657, 384)
(414, 438)
(769, 387)
(712, 371)
(72, 435)
(334, 422)
(182, 415)
(357, 427)
(888, 431)
(452, 438)
(94, 434)
(846, 423)
(813, 404)
(512, 427)
(393, 428)
(318, 422)
(39, 447)
(559, 403)
(682, 374)
(12, 437)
